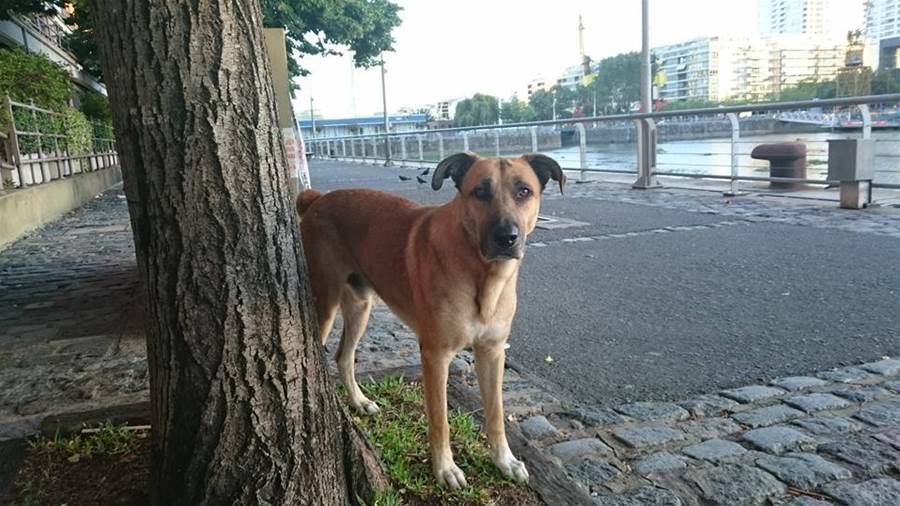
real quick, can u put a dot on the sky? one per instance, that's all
(452, 49)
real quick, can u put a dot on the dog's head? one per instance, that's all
(500, 198)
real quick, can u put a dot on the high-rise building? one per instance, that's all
(882, 30)
(811, 17)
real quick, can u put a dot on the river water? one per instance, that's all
(713, 156)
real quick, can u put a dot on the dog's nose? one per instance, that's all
(506, 235)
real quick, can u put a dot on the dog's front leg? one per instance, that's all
(435, 366)
(489, 361)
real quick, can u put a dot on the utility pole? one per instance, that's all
(646, 146)
(387, 125)
(312, 117)
(554, 107)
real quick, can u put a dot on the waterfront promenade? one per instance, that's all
(672, 346)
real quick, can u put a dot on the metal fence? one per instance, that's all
(697, 143)
(40, 145)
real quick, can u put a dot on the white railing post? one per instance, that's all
(375, 148)
(534, 140)
(343, 148)
(646, 154)
(402, 149)
(866, 120)
(15, 152)
(440, 146)
(465, 136)
(735, 139)
(582, 150)
(421, 148)
(497, 142)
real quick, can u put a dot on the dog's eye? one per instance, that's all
(482, 193)
(523, 193)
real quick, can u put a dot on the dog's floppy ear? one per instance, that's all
(454, 166)
(546, 169)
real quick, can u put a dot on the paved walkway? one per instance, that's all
(70, 341)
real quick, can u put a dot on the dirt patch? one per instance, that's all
(48, 476)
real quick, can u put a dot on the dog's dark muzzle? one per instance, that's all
(504, 242)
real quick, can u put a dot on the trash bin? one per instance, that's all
(786, 159)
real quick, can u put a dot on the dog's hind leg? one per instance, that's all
(356, 304)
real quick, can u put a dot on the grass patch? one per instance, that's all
(106, 440)
(109, 464)
(400, 433)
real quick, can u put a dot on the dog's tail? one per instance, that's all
(305, 199)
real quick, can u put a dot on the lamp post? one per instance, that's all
(312, 117)
(387, 125)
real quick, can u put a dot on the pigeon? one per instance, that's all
(404, 178)
(420, 180)
(425, 172)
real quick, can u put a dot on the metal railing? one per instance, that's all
(40, 146)
(428, 146)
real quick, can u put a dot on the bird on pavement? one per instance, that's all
(420, 180)
(425, 172)
(404, 178)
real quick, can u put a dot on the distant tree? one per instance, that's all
(542, 101)
(618, 82)
(427, 112)
(514, 110)
(478, 110)
(9, 7)
(886, 81)
(806, 90)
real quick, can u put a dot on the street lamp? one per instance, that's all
(387, 125)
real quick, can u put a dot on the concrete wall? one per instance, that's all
(22, 211)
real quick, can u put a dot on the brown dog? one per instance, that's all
(449, 272)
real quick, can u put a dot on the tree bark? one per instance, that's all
(243, 409)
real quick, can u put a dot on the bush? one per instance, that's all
(28, 76)
(96, 107)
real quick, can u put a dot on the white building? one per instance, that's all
(536, 84)
(882, 30)
(722, 68)
(811, 17)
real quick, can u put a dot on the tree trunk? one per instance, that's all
(243, 409)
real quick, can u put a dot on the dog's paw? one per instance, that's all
(511, 467)
(366, 407)
(451, 476)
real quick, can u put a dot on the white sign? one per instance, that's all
(296, 156)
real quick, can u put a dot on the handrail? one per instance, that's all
(754, 107)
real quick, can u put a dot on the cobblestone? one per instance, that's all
(538, 427)
(645, 496)
(769, 415)
(752, 393)
(708, 405)
(877, 492)
(886, 414)
(659, 462)
(846, 375)
(817, 402)
(795, 383)
(736, 484)
(587, 447)
(643, 437)
(803, 470)
(714, 450)
(777, 439)
(887, 367)
(829, 425)
(865, 452)
(653, 411)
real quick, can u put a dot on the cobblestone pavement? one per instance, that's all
(69, 318)
(69, 341)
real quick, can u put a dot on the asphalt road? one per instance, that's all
(670, 315)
